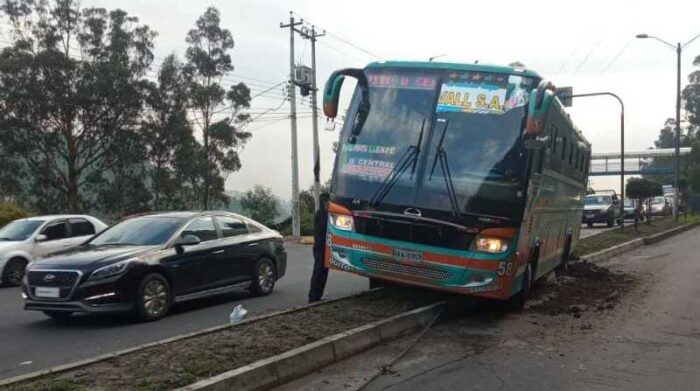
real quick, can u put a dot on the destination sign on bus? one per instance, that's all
(392, 80)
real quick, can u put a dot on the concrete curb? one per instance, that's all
(608, 253)
(666, 234)
(276, 370)
(107, 356)
(604, 255)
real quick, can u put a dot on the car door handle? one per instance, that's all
(218, 252)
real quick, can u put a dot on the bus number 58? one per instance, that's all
(505, 268)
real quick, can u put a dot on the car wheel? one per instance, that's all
(14, 271)
(58, 314)
(264, 279)
(153, 299)
(517, 302)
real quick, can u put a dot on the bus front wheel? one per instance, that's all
(517, 302)
(377, 283)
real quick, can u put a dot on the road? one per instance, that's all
(30, 341)
(650, 341)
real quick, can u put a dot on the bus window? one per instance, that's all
(571, 153)
(553, 134)
(563, 148)
(578, 158)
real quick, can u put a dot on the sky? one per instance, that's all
(589, 45)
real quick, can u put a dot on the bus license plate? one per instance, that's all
(46, 292)
(408, 255)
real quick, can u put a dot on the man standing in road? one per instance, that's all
(320, 272)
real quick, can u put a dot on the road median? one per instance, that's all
(194, 357)
(609, 245)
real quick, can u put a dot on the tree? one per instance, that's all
(168, 137)
(260, 204)
(70, 83)
(207, 62)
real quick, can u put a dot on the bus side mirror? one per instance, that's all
(331, 96)
(540, 100)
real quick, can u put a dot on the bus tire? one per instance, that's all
(589, 225)
(564, 261)
(610, 223)
(517, 302)
(377, 283)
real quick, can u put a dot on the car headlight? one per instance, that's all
(491, 244)
(343, 222)
(111, 270)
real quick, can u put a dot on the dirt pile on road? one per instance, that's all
(583, 287)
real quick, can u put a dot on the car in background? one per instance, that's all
(632, 211)
(146, 264)
(660, 206)
(24, 240)
(601, 208)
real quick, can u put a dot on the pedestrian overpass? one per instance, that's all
(636, 162)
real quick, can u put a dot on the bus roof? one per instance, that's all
(456, 66)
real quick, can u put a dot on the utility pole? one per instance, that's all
(314, 110)
(296, 227)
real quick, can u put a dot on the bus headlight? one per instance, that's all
(491, 244)
(343, 222)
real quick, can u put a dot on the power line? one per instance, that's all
(610, 64)
(593, 49)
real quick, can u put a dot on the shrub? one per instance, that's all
(9, 212)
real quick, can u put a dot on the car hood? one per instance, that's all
(87, 257)
(7, 246)
(596, 207)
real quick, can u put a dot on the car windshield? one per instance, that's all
(470, 123)
(658, 200)
(598, 200)
(19, 230)
(140, 231)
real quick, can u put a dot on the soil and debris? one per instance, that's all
(184, 362)
(583, 287)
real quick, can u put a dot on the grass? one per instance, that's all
(614, 237)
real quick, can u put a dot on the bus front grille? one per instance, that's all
(422, 271)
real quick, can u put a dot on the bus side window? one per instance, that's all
(563, 148)
(571, 153)
(553, 135)
(578, 158)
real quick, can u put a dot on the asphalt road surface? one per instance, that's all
(649, 341)
(30, 341)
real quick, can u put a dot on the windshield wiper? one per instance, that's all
(409, 158)
(441, 156)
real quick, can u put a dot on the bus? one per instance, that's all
(465, 178)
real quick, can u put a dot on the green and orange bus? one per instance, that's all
(466, 178)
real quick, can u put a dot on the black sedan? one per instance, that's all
(145, 264)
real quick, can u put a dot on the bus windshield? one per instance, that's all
(469, 127)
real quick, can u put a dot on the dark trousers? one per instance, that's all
(318, 277)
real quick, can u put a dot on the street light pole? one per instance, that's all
(679, 50)
(677, 166)
(622, 146)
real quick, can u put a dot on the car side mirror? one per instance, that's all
(41, 238)
(187, 240)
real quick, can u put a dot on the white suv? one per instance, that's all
(25, 240)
